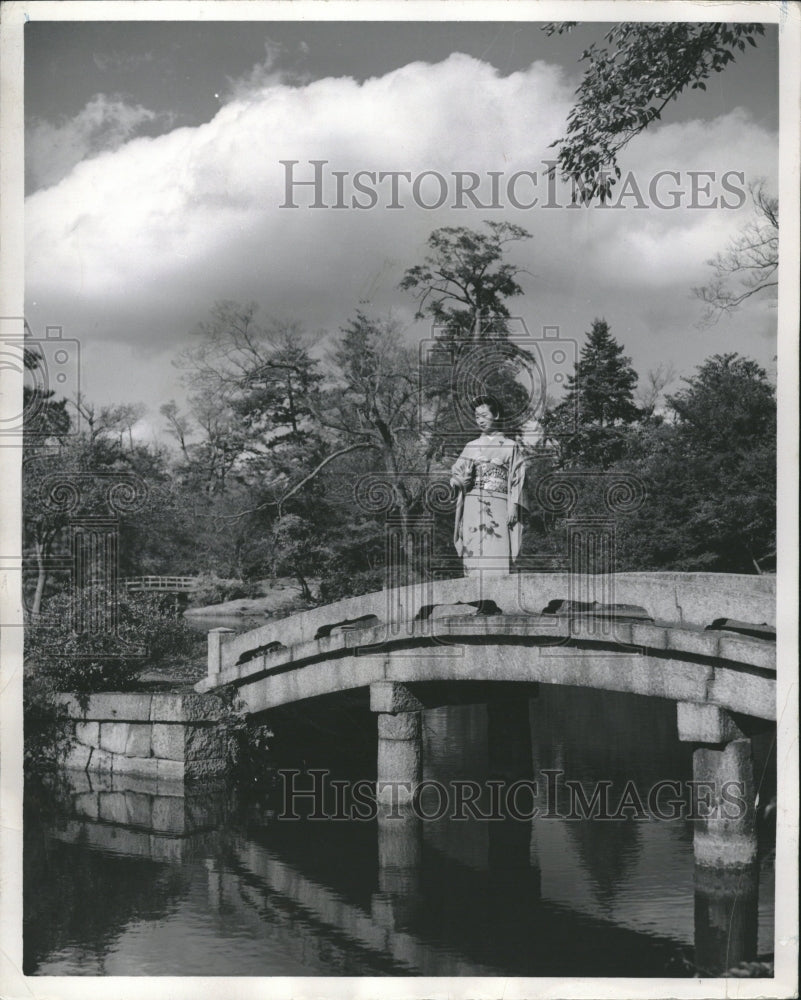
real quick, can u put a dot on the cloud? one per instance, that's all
(104, 124)
(205, 201)
(716, 161)
(268, 72)
(135, 244)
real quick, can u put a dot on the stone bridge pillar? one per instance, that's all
(724, 840)
(217, 637)
(400, 745)
(400, 860)
(725, 832)
(399, 771)
(726, 918)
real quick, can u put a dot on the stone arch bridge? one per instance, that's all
(705, 641)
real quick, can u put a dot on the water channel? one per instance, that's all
(124, 877)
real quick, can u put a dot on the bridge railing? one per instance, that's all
(172, 584)
(683, 598)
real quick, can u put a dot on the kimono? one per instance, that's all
(490, 474)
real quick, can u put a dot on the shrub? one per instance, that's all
(249, 744)
(208, 590)
(47, 729)
(234, 590)
(86, 661)
(212, 590)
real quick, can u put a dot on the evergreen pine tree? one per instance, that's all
(589, 424)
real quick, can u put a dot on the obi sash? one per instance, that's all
(490, 478)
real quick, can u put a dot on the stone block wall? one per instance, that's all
(160, 736)
(143, 817)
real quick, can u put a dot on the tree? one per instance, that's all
(251, 387)
(45, 418)
(464, 282)
(711, 475)
(178, 424)
(728, 407)
(299, 549)
(629, 81)
(649, 393)
(277, 395)
(374, 398)
(122, 418)
(750, 263)
(219, 444)
(94, 448)
(371, 407)
(589, 424)
(292, 434)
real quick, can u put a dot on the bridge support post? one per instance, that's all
(724, 840)
(725, 833)
(400, 745)
(723, 785)
(400, 854)
(217, 639)
(400, 759)
(726, 918)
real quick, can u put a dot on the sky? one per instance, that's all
(155, 187)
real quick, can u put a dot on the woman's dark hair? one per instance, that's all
(495, 407)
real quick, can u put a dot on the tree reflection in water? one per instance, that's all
(138, 879)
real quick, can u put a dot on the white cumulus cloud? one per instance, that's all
(104, 123)
(135, 243)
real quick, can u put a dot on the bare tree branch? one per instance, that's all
(657, 380)
(749, 264)
(298, 486)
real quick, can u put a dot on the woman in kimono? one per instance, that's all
(489, 476)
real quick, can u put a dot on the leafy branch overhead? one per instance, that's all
(629, 81)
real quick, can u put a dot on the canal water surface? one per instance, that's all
(126, 877)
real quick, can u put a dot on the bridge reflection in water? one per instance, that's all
(160, 880)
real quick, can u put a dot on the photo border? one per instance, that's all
(12, 982)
